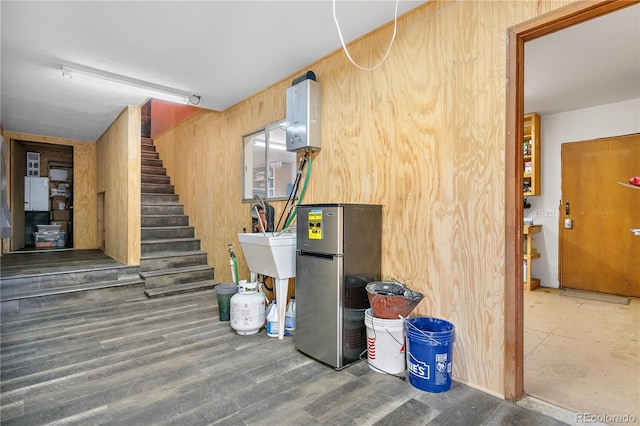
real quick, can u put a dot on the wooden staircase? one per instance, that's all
(171, 261)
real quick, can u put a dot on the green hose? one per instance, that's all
(233, 262)
(304, 189)
(235, 266)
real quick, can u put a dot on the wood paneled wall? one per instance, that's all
(118, 177)
(84, 185)
(48, 153)
(423, 135)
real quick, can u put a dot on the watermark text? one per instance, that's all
(605, 418)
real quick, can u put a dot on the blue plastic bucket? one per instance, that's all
(429, 353)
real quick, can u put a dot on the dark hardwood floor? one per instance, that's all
(170, 361)
(28, 263)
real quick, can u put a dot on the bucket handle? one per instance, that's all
(394, 337)
(388, 332)
(420, 331)
(395, 281)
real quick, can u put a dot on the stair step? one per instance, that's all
(45, 280)
(167, 232)
(154, 188)
(62, 288)
(181, 288)
(72, 296)
(150, 170)
(153, 221)
(162, 209)
(146, 141)
(150, 155)
(157, 179)
(168, 260)
(151, 162)
(174, 276)
(170, 245)
(159, 199)
(148, 148)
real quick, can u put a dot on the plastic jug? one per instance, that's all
(290, 316)
(272, 320)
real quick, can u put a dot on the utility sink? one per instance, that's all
(270, 254)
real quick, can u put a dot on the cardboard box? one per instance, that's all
(58, 202)
(60, 215)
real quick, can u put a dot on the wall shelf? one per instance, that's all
(531, 155)
(528, 231)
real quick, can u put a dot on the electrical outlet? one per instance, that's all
(549, 213)
(537, 213)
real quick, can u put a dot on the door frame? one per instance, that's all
(517, 35)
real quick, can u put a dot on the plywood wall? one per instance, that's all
(423, 135)
(84, 181)
(118, 177)
(85, 226)
(49, 153)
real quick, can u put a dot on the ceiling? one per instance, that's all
(226, 51)
(593, 63)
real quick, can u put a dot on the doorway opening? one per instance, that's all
(42, 196)
(514, 306)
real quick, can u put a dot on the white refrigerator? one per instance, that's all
(36, 194)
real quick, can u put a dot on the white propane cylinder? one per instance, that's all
(247, 309)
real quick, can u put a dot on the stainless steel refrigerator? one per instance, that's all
(338, 253)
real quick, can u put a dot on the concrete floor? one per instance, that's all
(583, 355)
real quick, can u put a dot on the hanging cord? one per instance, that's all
(304, 189)
(395, 24)
(294, 190)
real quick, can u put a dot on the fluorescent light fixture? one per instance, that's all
(272, 145)
(152, 90)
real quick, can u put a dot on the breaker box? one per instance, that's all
(33, 164)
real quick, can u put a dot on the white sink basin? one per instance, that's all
(270, 254)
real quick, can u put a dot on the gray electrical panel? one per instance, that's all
(303, 116)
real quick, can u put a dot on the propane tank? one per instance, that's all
(247, 309)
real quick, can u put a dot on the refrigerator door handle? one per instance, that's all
(320, 255)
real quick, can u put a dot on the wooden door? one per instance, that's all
(599, 252)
